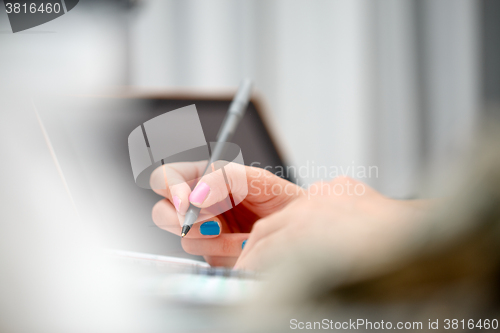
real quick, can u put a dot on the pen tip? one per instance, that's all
(185, 230)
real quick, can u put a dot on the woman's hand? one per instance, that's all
(220, 230)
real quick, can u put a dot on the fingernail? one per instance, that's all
(243, 244)
(199, 194)
(177, 202)
(210, 228)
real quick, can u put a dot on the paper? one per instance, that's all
(157, 259)
(190, 281)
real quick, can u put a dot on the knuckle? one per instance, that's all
(216, 182)
(237, 178)
(231, 169)
(268, 174)
(178, 188)
(225, 245)
(259, 227)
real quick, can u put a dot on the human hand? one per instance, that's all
(341, 216)
(219, 232)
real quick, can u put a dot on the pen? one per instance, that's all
(233, 117)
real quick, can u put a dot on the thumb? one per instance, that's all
(214, 187)
(264, 190)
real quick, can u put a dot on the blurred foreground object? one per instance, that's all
(447, 267)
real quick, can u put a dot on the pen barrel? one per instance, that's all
(240, 101)
(238, 107)
(236, 111)
(228, 128)
(192, 213)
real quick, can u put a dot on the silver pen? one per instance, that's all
(233, 117)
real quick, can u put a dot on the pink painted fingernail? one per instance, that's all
(177, 203)
(199, 194)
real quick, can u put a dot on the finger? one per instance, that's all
(226, 245)
(267, 226)
(220, 261)
(264, 228)
(214, 187)
(180, 194)
(254, 259)
(165, 217)
(207, 229)
(174, 181)
(261, 189)
(262, 253)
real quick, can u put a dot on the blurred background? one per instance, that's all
(395, 84)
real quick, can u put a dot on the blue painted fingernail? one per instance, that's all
(210, 228)
(243, 244)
